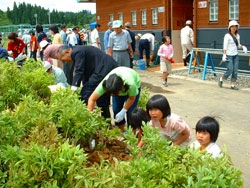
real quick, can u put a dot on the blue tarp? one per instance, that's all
(92, 25)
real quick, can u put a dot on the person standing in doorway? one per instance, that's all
(187, 40)
(144, 44)
(230, 56)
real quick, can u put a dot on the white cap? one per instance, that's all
(117, 24)
(43, 43)
(233, 22)
(188, 22)
(47, 65)
(139, 34)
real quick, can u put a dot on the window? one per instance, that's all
(233, 9)
(134, 18)
(213, 10)
(111, 17)
(121, 17)
(154, 16)
(144, 17)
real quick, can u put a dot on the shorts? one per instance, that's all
(165, 66)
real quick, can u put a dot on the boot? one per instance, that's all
(147, 61)
(184, 61)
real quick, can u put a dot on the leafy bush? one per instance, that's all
(43, 135)
(31, 79)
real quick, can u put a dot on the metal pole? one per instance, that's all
(49, 17)
(36, 18)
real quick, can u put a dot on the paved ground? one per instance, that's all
(193, 99)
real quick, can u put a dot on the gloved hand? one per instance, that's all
(244, 48)
(10, 52)
(120, 116)
(74, 88)
(20, 55)
(224, 57)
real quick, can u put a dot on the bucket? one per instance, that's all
(141, 64)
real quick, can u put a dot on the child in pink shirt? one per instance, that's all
(166, 52)
(171, 126)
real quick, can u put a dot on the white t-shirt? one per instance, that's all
(229, 44)
(212, 148)
(187, 35)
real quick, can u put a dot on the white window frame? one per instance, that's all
(233, 9)
(120, 16)
(134, 18)
(154, 16)
(144, 17)
(111, 17)
(213, 11)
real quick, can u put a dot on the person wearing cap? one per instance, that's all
(119, 45)
(94, 36)
(58, 73)
(90, 66)
(187, 40)
(231, 44)
(147, 40)
(106, 37)
(33, 45)
(132, 35)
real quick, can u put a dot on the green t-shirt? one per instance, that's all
(129, 77)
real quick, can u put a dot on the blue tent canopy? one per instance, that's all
(92, 25)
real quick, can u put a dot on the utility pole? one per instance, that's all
(36, 18)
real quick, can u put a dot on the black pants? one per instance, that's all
(144, 45)
(103, 102)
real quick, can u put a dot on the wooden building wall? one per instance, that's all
(202, 15)
(107, 7)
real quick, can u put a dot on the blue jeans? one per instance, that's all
(232, 68)
(118, 103)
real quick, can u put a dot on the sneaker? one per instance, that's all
(234, 88)
(220, 82)
(165, 84)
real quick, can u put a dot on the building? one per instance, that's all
(210, 18)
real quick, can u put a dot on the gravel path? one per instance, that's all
(243, 80)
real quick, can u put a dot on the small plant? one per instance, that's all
(144, 96)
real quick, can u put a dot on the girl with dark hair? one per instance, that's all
(124, 84)
(171, 126)
(33, 45)
(166, 52)
(207, 131)
(137, 117)
(16, 47)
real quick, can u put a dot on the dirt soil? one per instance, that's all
(107, 150)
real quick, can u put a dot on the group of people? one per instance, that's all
(231, 45)
(104, 74)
